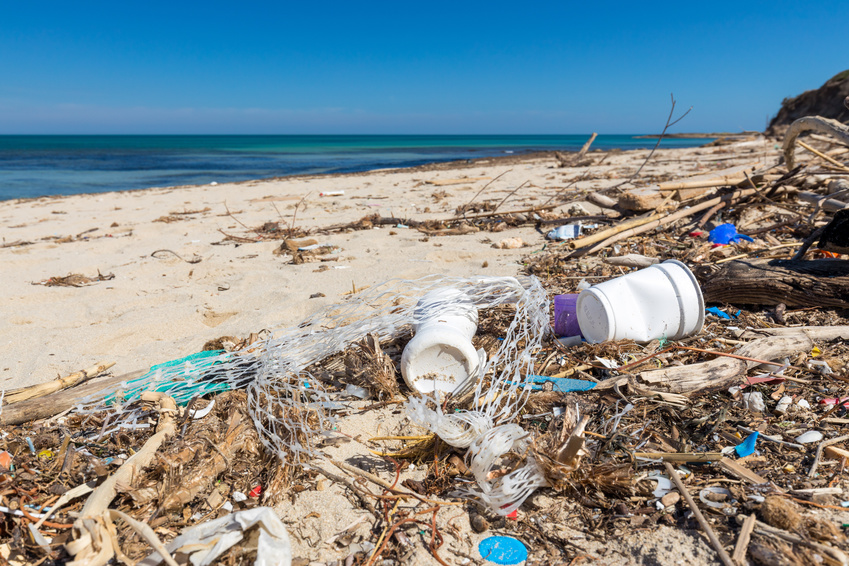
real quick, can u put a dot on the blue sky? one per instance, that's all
(408, 67)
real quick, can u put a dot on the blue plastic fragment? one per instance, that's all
(719, 312)
(747, 447)
(503, 550)
(726, 234)
(561, 384)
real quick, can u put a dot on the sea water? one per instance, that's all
(34, 166)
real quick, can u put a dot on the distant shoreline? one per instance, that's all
(687, 136)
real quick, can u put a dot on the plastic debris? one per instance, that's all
(565, 232)
(810, 436)
(725, 234)
(754, 401)
(783, 404)
(637, 306)
(721, 313)
(566, 316)
(747, 447)
(503, 550)
(561, 384)
(207, 541)
(707, 494)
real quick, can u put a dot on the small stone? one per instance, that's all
(479, 524)
(670, 498)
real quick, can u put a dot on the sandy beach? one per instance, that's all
(193, 264)
(165, 271)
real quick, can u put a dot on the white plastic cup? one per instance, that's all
(440, 356)
(661, 301)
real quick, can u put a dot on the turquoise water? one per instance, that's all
(33, 166)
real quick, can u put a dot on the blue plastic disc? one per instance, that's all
(503, 550)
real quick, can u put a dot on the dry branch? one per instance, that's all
(43, 389)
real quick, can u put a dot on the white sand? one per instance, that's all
(162, 308)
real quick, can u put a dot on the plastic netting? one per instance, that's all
(291, 407)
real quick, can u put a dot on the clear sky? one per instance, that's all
(283, 67)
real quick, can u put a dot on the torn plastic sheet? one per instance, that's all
(207, 541)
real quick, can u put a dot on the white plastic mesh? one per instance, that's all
(290, 405)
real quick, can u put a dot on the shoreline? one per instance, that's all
(100, 170)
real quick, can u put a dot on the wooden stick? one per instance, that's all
(822, 155)
(55, 403)
(681, 456)
(831, 551)
(743, 540)
(726, 180)
(720, 550)
(820, 448)
(42, 389)
(490, 214)
(753, 252)
(654, 221)
(604, 234)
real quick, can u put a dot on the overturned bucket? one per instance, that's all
(661, 301)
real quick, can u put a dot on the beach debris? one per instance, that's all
(546, 435)
(75, 280)
(509, 244)
(565, 232)
(205, 542)
(502, 550)
(635, 306)
(725, 234)
(566, 315)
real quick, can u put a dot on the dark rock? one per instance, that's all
(826, 101)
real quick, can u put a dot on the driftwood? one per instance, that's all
(649, 198)
(723, 371)
(53, 404)
(42, 389)
(796, 283)
(811, 124)
(576, 159)
(645, 223)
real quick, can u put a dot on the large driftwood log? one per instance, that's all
(723, 371)
(796, 283)
(816, 124)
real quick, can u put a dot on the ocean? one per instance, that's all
(34, 166)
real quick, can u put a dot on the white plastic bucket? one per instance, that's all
(440, 357)
(661, 301)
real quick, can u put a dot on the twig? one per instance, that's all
(659, 139)
(743, 540)
(195, 259)
(720, 550)
(822, 155)
(295, 214)
(753, 252)
(230, 214)
(834, 553)
(654, 221)
(820, 448)
(56, 385)
(477, 194)
(349, 484)
(809, 241)
(497, 206)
